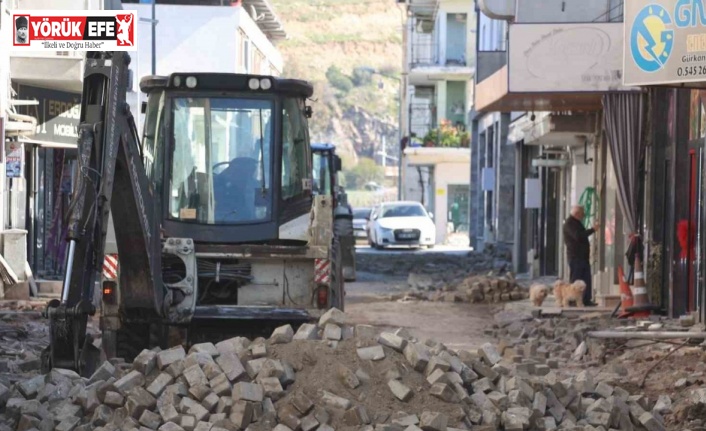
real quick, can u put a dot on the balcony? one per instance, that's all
(438, 56)
(422, 119)
(425, 52)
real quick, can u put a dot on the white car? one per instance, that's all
(401, 223)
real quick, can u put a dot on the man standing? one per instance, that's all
(578, 250)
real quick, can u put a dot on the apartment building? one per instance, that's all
(439, 66)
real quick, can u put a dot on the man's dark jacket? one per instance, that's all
(576, 240)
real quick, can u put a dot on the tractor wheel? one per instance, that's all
(133, 338)
(338, 289)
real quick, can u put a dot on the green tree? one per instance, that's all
(361, 77)
(338, 79)
(364, 172)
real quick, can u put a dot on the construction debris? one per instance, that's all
(445, 271)
(475, 289)
(303, 381)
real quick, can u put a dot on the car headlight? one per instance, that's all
(385, 230)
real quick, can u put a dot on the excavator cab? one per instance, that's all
(210, 146)
(217, 226)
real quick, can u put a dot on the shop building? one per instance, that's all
(538, 141)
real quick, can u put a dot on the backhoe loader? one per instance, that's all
(216, 223)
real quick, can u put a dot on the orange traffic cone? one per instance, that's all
(626, 298)
(642, 307)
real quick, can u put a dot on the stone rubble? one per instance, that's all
(445, 271)
(226, 387)
(489, 289)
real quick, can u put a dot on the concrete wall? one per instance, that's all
(448, 166)
(447, 174)
(504, 183)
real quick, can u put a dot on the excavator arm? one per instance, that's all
(109, 176)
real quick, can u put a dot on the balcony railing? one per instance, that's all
(422, 118)
(424, 53)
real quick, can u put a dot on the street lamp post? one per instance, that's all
(399, 125)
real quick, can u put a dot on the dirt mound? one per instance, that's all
(326, 377)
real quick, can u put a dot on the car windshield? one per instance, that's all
(361, 213)
(403, 211)
(221, 160)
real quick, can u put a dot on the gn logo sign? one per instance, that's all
(651, 38)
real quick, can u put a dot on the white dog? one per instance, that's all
(566, 292)
(538, 293)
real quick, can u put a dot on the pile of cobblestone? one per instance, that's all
(447, 268)
(325, 376)
(475, 289)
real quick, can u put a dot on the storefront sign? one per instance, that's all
(14, 155)
(562, 57)
(58, 113)
(665, 42)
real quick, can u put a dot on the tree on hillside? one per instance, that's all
(365, 171)
(361, 77)
(338, 79)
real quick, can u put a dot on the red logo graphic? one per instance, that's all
(126, 31)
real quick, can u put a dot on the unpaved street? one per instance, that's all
(459, 326)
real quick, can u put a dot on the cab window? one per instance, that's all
(296, 169)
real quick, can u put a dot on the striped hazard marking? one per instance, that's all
(110, 266)
(322, 270)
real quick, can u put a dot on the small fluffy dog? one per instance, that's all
(566, 292)
(538, 293)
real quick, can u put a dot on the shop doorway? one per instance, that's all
(691, 233)
(458, 207)
(54, 178)
(550, 222)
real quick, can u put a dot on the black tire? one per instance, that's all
(338, 288)
(133, 338)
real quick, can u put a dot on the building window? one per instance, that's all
(492, 35)
(295, 150)
(244, 60)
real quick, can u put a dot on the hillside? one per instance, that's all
(350, 108)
